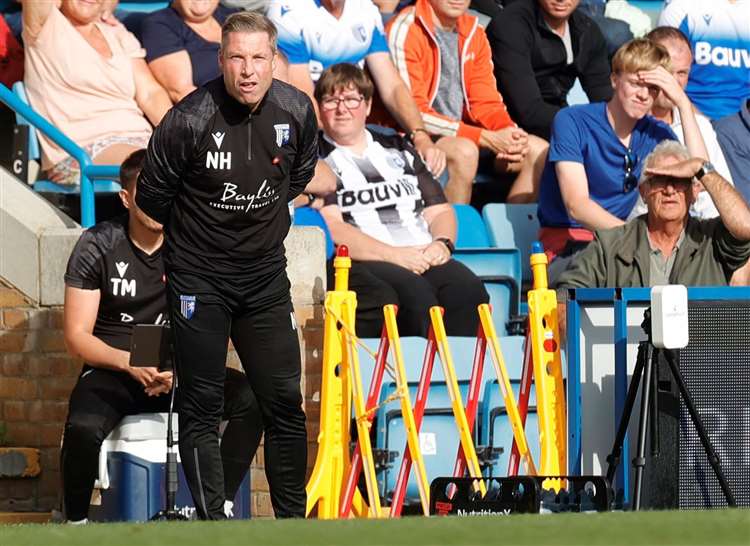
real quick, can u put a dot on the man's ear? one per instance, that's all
(125, 198)
(643, 190)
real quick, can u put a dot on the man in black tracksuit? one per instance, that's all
(114, 281)
(220, 170)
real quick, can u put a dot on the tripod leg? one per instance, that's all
(654, 401)
(713, 458)
(639, 462)
(622, 429)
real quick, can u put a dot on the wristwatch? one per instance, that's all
(706, 168)
(448, 244)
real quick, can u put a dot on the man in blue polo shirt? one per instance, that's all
(597, 150)
(719, 34)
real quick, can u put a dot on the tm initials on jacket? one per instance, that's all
(219, 177)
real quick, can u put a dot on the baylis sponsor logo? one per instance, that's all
(231, 199)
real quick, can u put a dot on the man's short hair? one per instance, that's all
(664, 34)
(131, 168)
(640, 54)
(342, 76)
(666, 148)
(248, 22)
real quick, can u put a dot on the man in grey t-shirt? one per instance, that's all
(443, 54)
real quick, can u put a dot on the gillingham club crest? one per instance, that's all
(187, 306)
(282, 134)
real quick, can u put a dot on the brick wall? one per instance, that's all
(37, 375)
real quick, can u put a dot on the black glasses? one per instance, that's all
(331, 103)
(630, 181)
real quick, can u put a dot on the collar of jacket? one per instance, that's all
(631, 251)
(578, 22)
(464, 25)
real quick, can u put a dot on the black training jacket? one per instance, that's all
(219, 178)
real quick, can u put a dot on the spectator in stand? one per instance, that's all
(597, 151)
(392, 214)
(733, 133)
(315, 34)
(665, 110)
(539, 48)
(667, 245)
(182, 44)
(442, 53)
(719, 33)
(89, 79)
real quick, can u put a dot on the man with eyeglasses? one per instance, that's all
(597, 151)
(678, 46)
(667, 245)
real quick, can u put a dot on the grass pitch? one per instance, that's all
(716, 527)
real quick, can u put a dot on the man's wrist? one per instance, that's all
(419, 133)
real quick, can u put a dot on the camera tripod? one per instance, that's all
(646, 368)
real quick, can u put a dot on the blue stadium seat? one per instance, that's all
(472, 232)
(142, 5)
(496, 432)
(500, 271)
(438, 435)
(306, 216)
(46, 186)
(513, 226)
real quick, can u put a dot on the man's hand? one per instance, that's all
(144, 376)
(684, 169)
(510, 144)
(666, 82)
(162, 383)
(437, 253)
(432, 156)
(411, 258)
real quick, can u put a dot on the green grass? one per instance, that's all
(626, 528)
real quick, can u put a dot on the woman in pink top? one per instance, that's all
(89, 79)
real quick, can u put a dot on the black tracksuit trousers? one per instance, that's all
(101, 398)
(257, 315)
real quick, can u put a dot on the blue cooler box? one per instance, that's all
(132, 469)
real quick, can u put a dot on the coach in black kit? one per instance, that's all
(220, 170)
(115, 280)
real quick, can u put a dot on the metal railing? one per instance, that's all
(89, 171)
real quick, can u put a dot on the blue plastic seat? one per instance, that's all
(496, 431)
(513, 226)
(306, 216)
(500, 271)
(472, 232)
(438, 435)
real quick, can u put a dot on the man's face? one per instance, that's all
(247, 62)
(681, 58)
(449, 9)
(127, 196)
(668, 199)
(558, 9)
(343, 114)
(635, 97)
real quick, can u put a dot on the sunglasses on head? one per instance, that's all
(630, 180)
